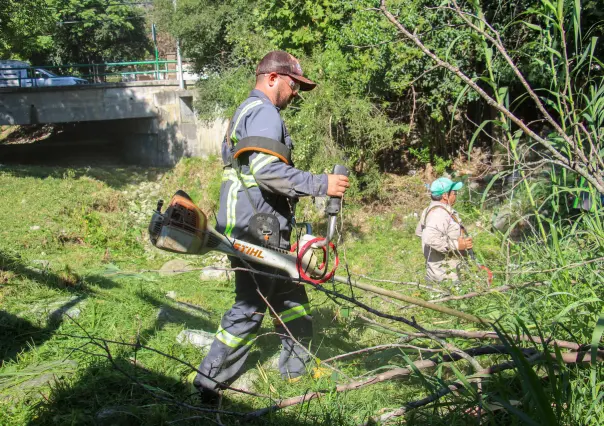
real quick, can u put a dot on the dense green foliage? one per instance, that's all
(379, 95)
(362, 107)
(72, 31)
(381, 106)
(74, 239)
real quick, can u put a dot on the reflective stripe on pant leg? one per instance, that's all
(233, 341)
(294, 313)
(294, 310)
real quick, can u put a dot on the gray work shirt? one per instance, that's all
(272, 184)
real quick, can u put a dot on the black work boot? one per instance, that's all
(207, 396)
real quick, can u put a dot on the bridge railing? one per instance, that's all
(40, 76)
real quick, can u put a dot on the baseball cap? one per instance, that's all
(443, 185)
(282, 62)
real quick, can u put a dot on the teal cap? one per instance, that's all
(443, 185)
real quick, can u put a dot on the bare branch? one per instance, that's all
(596, 180)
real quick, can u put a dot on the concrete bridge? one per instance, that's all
(153, 121)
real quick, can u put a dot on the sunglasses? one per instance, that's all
(294, 85)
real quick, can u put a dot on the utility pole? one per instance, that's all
(178, 59)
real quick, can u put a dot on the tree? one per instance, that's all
(25, 27)
(96, 31)
(72, 31)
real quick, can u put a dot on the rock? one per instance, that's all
(272, 363)
(54, 310)
(66, 308)
(35, 228)
(193, 309)
(474, 185)
(164, 314)
(74, 312)
(198, 338)
(501, 222)
(219, 260)
(38, 376)
(213, 275)
(171, 295)
(117, 416)
(174, 267)
(247, 380)
(43, 263)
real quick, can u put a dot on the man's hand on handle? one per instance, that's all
(464, 243)
(336, 185)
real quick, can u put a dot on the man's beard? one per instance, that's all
(283, 100)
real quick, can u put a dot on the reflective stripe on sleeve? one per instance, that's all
(260, 161)
(231, 174)
(243, 112)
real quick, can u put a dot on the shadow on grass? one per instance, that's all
(102, 395)
(17, 334)
(191, 316)
(117, 176)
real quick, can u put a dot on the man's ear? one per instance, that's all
(272, 79)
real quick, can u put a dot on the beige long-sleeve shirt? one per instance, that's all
(439, 232)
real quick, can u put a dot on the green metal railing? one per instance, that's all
(94, 73)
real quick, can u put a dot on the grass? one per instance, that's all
(75, 240)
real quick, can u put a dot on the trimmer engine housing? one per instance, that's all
(181, 229)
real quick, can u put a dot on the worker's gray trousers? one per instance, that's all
(240, 325)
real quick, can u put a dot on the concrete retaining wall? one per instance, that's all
(154, 122)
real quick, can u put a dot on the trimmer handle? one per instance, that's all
(334, 204)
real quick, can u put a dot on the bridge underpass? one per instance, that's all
(148, 123)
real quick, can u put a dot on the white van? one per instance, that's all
(22, 74)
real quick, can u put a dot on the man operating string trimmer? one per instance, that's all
(259, 188)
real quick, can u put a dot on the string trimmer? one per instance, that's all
(183, 228)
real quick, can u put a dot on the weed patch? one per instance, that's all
(74, 259)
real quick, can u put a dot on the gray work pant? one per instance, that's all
(240, 325)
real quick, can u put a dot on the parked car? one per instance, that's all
(22, 74)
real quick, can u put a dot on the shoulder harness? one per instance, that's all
(262, 144)
(463, 229)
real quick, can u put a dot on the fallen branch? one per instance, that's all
(408, 283)
(567, 358)
(480, 335)
(447, 390)
(393, 374)
(560, 268)
(501, 289)
(412, 300)
(380, 348)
